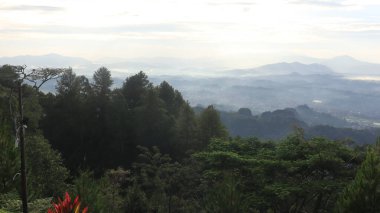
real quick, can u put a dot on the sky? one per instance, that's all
(232, 33)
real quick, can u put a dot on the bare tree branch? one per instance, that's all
(42, 75)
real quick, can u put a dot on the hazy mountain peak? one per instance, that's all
(344, 60)
(344, 57)
(285, 68)
(298, 67)
(53, 55)
(349, 65)
(48, 60)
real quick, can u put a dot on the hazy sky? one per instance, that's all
(235, 33)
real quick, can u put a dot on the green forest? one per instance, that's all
(143, 148)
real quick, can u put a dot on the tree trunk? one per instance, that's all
(24, 194)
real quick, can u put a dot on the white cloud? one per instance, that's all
(233, 30)
(43, 8)
(231, 3)
(322, 3)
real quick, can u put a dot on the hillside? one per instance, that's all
(269, 87)
(280, 123)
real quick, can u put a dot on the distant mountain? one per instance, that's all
(264, 88)
(332, 94)
(304, 66)
(343, 64)
(285, 69)
(49, 60)
(349, 65)
(280, 123)
(314, 118)
(80, 66)
(120, 66)
(268, 125)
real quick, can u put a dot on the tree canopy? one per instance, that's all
(143, 148)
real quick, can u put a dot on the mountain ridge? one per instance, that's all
(285, 68)
(277, 124)
(343, 64)
(51, 59)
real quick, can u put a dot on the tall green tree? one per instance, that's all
(102, 82)
(210, 126)
(67, 118)
(172, 98)
(100, 103)
(102, 91)
(72, 85)
(187, 130)
(66, 84)
(363, 194)
(135, 87)
(121, 131)
(155, 127)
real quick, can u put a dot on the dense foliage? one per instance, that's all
(363, 194)
(142, 148)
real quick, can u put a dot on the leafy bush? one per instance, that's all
(101, 195)
(11, 202)
(42, 160)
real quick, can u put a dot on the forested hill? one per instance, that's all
(142, 148)
(280, 123)
(106, 125)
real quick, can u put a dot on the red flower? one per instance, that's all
(66, 206)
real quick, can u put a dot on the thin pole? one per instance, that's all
(24, 194)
